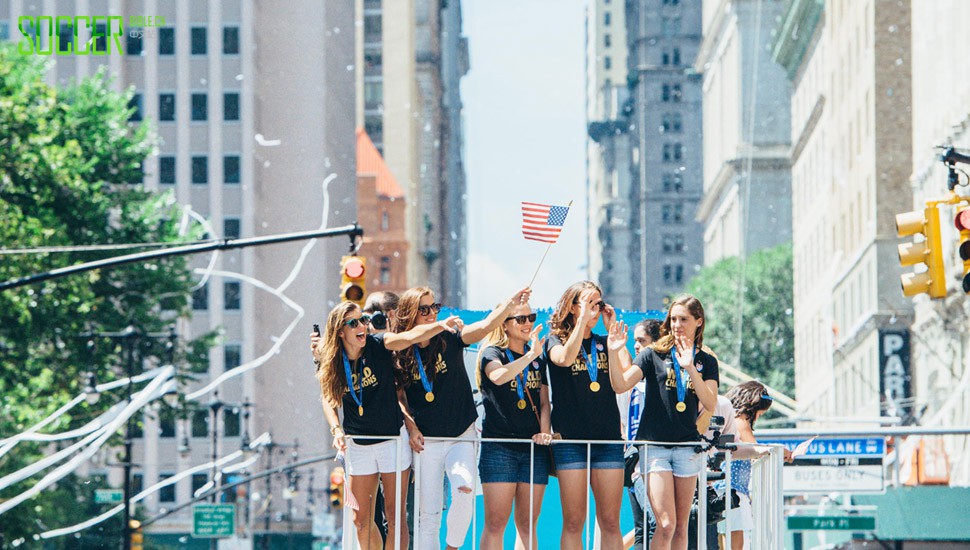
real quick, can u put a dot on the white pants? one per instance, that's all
(457, 460)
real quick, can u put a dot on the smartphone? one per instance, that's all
(316, 329)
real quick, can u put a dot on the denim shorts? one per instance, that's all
(509, 463)
(603, 456)
(682, 461)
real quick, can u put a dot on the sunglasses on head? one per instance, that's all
(521, 319)
(598, 305)
(426, 310)
(354, 323)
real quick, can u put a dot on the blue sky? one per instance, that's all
(524, 129)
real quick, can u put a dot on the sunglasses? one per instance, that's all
(598, 305)
(426, 310)
(522, 319)
(354, 323)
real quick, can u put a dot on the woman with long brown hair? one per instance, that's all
(515, 393)
(679, 375)
(437, 395)
(584, 407)
(357, 373)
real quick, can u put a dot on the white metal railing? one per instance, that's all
(766, 493)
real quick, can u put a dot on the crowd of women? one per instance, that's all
(396, 369)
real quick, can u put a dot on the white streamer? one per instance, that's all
(310, 244)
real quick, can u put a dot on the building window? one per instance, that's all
(374, 126)
(673, 152)
(4, 30)
(101, 40)
(230, 423)
(166, 422)
(199, 481)
(373, 60)
(200, 108)
(232, 356)
(673, 182)
(200, 170)
(607, 19)
(135, 103)
(373, 28)
(230, 40)
(200, 423)
(385, 220)
(671, 57)
(230, 168)
(671, 2)
(230, 228)
(166, 170)
(607, 41)
(673, 122)
(166, 107)
(166, 493)
(166, 41)
(65, 38)
(137, 483)
(230, 106)
(672, 213)
(232, 295)
(134, 45)
(385, 270)
(373, 94)
(199, 46)
(671, 93)
(607, 62)
(673, 243)
(673, 274)
(200, 298)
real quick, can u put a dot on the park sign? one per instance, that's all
(108, 496)
(213, 520)
(839, 465)
(832, 523)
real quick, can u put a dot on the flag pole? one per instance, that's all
(534, 275)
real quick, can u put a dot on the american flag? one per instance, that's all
(542, 222)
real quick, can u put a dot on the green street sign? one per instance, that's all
(832, 523)
(213, 520)
(109, 496)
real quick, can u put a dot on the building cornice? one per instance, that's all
(712, 36)
(808, 129)
(760, 158)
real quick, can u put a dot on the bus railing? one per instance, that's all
(766, 491)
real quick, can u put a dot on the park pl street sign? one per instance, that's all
(213, 520)
(108, 496)
(831, 523)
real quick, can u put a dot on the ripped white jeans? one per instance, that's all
(456, 459)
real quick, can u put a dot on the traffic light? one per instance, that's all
(352, 284)
(962, 221)
(928, 251)
(337, 487)
(135, 534)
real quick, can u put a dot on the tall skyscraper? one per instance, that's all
(747, 131)
(255, 140)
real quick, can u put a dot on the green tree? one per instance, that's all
(67, 160)
(766, 339)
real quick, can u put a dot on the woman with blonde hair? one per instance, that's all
(511, 374)
(437, 396)
(357, 373)
(679, 376)
(584, 407)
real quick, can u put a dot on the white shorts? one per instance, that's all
(741, 517)
(379, 458)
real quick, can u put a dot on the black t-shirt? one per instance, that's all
(382, 414)
(660, 421)
(503, 417)
(577, 411)
(453, 409)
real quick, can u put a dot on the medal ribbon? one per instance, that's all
(350, 382)
(521, 377)
(591, 366)
(679, 372)
(428, 387)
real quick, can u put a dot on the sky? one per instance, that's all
(524, 132)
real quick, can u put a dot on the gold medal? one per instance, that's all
(681, 406)
(521, 404)
(429, 397)
(360, 410)
(594, 386)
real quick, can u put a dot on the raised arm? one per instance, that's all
(478, 330)
(564, 354)
(706, 390)
(421, 333)
(500, 373)
(623, 374)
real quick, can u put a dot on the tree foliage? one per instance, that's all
(766, 339)
(67, 160)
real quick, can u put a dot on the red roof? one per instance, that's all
(370, 162)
